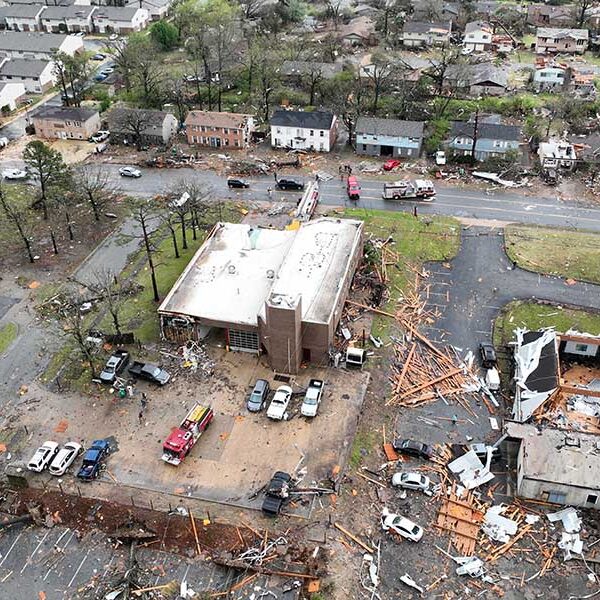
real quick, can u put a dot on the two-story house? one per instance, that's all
(572, 41)
(549, 76)
(481, 79)
(417, 34)
(219, 129)
(67, 123)
(492, 138)
(544, 15)
(478, 36)
(133, 125)
(304, 130)
(22, 17)
(41, 46)
(122, 20)
(388, 137)
(36, 75)
(11, 93)
(68, 19)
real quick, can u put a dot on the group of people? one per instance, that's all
(344, 170)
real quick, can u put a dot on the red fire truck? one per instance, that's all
(182, 439)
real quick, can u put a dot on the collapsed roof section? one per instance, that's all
(536, 370)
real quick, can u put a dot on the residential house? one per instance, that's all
(388, 137)
(587, 146)
(418, 34)
(297, 70)
(122, 20)
(493, 138)
(557, 155)
(571, 477)
(582, 83)
(544, 15)
(10, 95)
(425, 10)
(481, 79)
(549, 77)
(358, 32)
(409, 67)
(36, 75)
(219, 129)
(157, 9)
(593, 19)
(153, 127)
(22, 17)
(68, 19)
(549, 39)
(303, 130)
(41, 46)
(478, 36)
(67, 123)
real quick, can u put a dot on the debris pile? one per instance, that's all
(192, 357)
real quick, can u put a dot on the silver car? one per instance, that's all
(411, 481)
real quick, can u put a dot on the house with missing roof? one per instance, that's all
(219, 129)
(422, 34)
(478, 36)
(267, 291)
(481, 79)
(570, 41)
(388, 137)
(36, 75)
(304, 130)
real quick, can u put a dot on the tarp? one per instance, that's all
(471, 471)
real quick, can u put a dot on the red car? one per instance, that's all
(388, 165)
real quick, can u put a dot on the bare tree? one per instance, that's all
(113, 291)
(252, 8)
(93, 185)
(581, 9)
(380, 73)
(191, 198)
(143, 213)
(334, 11)
(169, 220)
(132, 122)
(73, 326)
(18, 217)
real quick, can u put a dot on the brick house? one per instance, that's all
(219, 129)
(67, 123)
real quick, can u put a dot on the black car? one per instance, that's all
(488, 355)
(237, 183)
(277, 492)
(413, 448)
(258, 396)
(289, 184)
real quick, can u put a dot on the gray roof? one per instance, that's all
(486, 131)
(467, 75)
(477, 26)
(116, 13)
(23, 67)
(21, 11)
(318, 119)
(67, 113)
(298, 67)
(559, 33)
(423, 27)
(33, 42)
(117, 118)
(391, 127)
(67, 12)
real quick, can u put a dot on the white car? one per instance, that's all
(113, 37)
(65, 457)
(100, 136)
(280, 402)
(312, 398)
(400, 525)
(411, 481)
(440, 158)
(15, 174)
(43, 456)
(129, 172)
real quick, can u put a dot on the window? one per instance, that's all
(226, 141)
(591, 499)
(225, 130)
(581, 347)
(364, 147)
(236, 143)
(322, 133)
(580, 42)
(312, 132)
(556, 497)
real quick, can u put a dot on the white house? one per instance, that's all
(42, 46)
(478, 36)
(10, 94)
(157, 9)
(114, 19)
(550, 78)
(22, 17)
(303, 130)
(417, 34)
(68, 19)
(36, 75)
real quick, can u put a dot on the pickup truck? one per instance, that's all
(312, 398)
(148, 371)
(92, 460)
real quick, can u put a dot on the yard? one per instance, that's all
(563, 252)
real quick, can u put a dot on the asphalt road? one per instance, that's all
(498, 205)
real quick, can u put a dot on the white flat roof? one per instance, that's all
(239, 266)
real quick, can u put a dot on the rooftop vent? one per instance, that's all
(270, 274)
(231, 269)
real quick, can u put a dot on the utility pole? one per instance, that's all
(475, 132)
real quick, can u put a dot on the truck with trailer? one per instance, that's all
(405, 189)
(182, 439)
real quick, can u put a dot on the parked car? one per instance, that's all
(258, 395)
(92, 460)
(413, 448)
(488, 355)
(99, 56)
(411, 481)
(15, 174)
(237, 183)
(289, 184)
(400, 525)
(149, 372)
(114, 366)
(280, 402)
(391, 164)
(312, 398)
(113, 37)
(277, 492)
(129, 172)
(100, 136)
(65, 457)
(492, 379)
(193, 78)
(43, 456)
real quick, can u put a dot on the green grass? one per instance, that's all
(363, 442)
(563, 252)
(8, 333)
(56, 363)
(416, 241)
(533, 316)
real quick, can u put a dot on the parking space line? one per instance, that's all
(443, 306)
(437, 293)
(484, 332)
(494, 307)
(60, 549)
(108, 566)
(79, 568)
(28, 561)
(10, 549)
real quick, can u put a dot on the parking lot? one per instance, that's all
(238, 453)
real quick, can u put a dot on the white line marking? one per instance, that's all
(10, 549)
(79, 568)
(56, 544)
(28, 561)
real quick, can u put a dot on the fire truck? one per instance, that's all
(406, 189)
(182, 439)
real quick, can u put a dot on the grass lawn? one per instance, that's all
(555, 251)
(533, 316)
(416, 241)
(8, 333)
